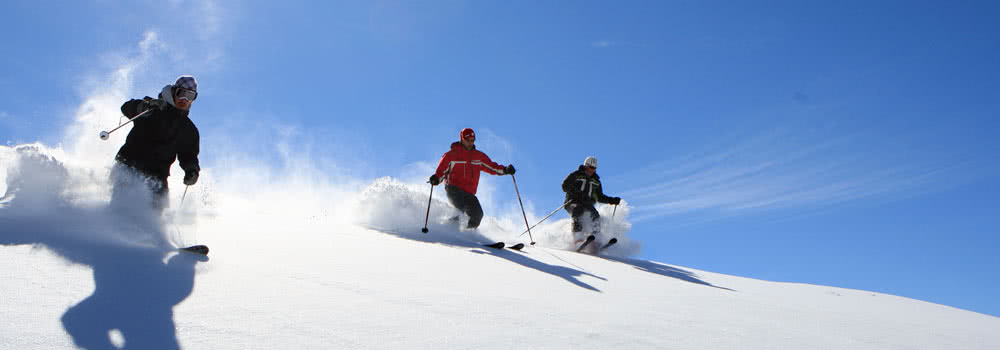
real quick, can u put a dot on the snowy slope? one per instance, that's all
(301, 261)
(355, 288)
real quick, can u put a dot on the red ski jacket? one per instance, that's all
(461, 167)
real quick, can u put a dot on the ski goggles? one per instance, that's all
(185, 94)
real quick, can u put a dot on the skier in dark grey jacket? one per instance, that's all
(583, 189)
(156, 140)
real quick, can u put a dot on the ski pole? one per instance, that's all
(179, 206)
(105, 134)
(522, 208)
(613, 212)
(546, 217)
(182, 197)
(424, 230)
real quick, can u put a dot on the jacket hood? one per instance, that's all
(167, 94)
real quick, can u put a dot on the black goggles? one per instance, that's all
(185, 94)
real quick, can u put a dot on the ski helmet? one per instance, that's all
(187, 82)
(591, 162)
(466, 134)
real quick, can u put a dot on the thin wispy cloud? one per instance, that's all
(782, 169)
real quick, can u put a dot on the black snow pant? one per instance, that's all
(576, 211)
(467, 203)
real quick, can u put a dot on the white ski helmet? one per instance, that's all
(591, 162)
(187, 82)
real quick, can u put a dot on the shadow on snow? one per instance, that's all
(664, 270)
(134, 290)
(571, 275)
(138, 276)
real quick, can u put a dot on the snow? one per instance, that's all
(305, 262)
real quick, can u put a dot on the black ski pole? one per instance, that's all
(546, 217)
(522, 209)
(424, 230)
(613, 212)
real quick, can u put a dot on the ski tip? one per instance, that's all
(497, 245)
(613, 241)
(591, 238)
(197, 249)
(517, 246)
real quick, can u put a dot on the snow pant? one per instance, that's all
(577, 210)
(131, 186)
(467, 203)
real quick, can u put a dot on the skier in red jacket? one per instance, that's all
(460, 169)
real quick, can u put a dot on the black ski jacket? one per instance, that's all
(583, 189)
(160, 137)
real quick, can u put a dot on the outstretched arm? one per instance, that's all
(606, 199)
(489, 165)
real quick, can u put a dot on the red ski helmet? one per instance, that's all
(466, 134)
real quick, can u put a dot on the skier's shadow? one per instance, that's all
(664, 270)
(138, 277)
(135, 286)
(448, 238)
(569, 274)
(134, 293)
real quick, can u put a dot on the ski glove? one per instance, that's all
(509, 170)
(190, 178)
(150, 103)
(614, 201)
(434, 180)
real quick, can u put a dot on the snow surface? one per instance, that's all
(306, 262)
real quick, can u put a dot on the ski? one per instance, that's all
(497, 245)
(584, 245)
(501, 245)
(606, 245)
(197, 249)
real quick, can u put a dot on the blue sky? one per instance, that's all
(849, 144)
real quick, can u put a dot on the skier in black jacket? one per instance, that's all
(157, 138)
(583, 189)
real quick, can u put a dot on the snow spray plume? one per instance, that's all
(391, 206)
(44, 207)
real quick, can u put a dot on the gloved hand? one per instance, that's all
(151, 103)
(509, 170)
(614, 201)
(190, 178)
(434, 180)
